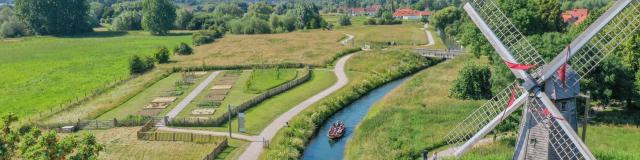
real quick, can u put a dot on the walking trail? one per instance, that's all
(174, 112)
(429, 36)
(345, 41)
(257, 142)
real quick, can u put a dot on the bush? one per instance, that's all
(345, 20)
(128, 20)
(183, 49)
(12, 29)
(208, 36)
(473, 82)
(162, 55)
(249, 25)
(138, 65)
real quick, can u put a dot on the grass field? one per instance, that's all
(308, 46)
(264, 79)
(413, 117)
(408, 33)
(40, 72)
(121, 143)
(159, 89)
(261, 115)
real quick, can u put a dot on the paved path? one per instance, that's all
(255, 148)
(429, 36)
(349, 38)
(174, 112)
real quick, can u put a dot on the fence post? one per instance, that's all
(97, 125)
(191, 137)
(174, 136)
(115, 122)
(155, 136)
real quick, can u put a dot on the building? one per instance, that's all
(410, 14)
(575, 16)
(369, 11)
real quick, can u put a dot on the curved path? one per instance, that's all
(255, 148)
(429, 36)
(349, 38)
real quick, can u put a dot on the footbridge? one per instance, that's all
(438, 53)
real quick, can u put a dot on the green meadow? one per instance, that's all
(43, 71)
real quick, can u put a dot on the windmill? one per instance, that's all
(546, 91)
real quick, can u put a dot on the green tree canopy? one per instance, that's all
(473, 82)
(261, 10)
(158, 16)
(54, 16)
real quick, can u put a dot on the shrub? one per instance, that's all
(138, 65)
(345, 20)
(183, 49)
(249, 25)
(12, 29)
(204, 37)
(162, 55)
(473, 82)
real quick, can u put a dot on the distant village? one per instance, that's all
(402, 13)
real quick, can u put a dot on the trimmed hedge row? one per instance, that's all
(291, 143)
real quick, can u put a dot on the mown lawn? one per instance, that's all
(264, 79)
(40, 72)
(413, 117)
(122, 143)
(159, 89)
(308, 46)
(408, 33)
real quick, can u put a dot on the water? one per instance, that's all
(321, 148)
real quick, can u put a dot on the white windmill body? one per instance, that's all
(547, 91)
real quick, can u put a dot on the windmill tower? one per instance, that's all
(546, 91)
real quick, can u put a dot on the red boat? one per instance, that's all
(337, 130)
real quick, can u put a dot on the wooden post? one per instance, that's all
(191, 137)
(229, 108)
(174, 136)
(585, 121)
(115, 122)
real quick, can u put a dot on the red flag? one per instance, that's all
(519, 66)
(546, 113)
(562, 72)
(512, 98)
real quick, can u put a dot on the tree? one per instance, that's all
(183, 17)
(229, 9)
(158, 16)
(128, 20)
(261, 10)
(162, 55)
(345, 20)
(610, 81)
(12, 28)
(473, 82)
(28, 142)
(54, 16)
(440, 19)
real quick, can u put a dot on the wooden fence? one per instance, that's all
(100, 124)
(217, 150)
(216, 121)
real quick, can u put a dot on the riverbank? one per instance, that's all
(382, 67)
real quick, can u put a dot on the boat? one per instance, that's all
(337, 130)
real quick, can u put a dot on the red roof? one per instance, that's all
(575, 15)
(410, 12)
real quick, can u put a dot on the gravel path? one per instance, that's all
(255, 148)
(349, 38)
(174, 112)
(429, 36)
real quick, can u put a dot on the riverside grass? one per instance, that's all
(414, 117)
(290, 141)
(43, 71)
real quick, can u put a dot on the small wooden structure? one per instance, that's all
(160, 102)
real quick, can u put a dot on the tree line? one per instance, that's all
(615, 79)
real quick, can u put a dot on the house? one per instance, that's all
(575, 16)
(369, 11)
(408, 13)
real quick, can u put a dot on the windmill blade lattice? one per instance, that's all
(620, 29)
(511, 37)
(558, 138)
(482, 115)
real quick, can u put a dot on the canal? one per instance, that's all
(322, 148)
